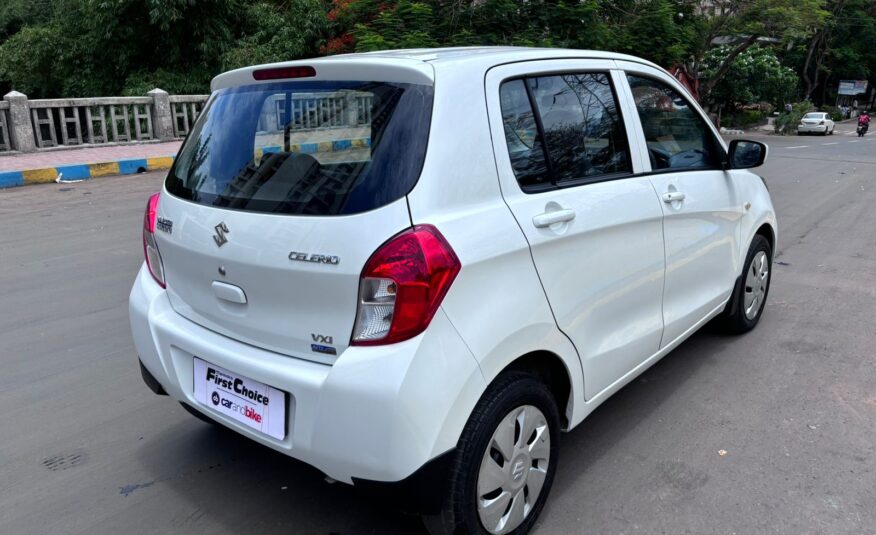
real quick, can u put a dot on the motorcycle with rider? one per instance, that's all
(863, 123)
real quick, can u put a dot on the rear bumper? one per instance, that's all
(377, 414)
(810, 129)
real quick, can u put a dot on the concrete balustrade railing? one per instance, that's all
(312, 111)
(5, 144)
(184, 110)
(32, 125)
(45, 124)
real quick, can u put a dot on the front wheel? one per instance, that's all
(505, 461)
(754, 285)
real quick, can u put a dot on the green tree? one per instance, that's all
(403, 25)
(51, 48)
(844, 48)
(662, 31)
(567, 24)
(28, 60)
(100, 47)
(753, 76)
(16, 14)
(751, 20)
(278, 32)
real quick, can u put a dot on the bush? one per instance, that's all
(786, 122)
(745, 118)
(192, 82)
(835, 113)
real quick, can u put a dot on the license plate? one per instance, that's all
(250, 402)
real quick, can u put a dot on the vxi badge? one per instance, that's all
(315, 258)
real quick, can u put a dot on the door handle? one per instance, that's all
(673, 196)
(550, 218)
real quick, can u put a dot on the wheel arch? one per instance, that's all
(549, 368)
(766, 230)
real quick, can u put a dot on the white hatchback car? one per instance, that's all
(816, 122)
(413, 269)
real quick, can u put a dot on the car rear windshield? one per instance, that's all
(814, 116)
(305, 147)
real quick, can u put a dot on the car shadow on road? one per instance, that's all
(631, 407)
(220, 478)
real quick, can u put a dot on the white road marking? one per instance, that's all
(825, 144)
(798, 147)
(855, 141)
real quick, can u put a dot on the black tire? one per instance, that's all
(459, 513)
(736, 320)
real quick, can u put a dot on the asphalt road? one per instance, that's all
(86, 448)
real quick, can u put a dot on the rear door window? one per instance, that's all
(306, 147)
(582, 127)
(574, 135)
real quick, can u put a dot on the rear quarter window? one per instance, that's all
(306, 148)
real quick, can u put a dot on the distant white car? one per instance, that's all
(413, 269)
(816, 122)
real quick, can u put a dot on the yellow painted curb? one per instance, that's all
(40, 176)
(162, 162)
(104, 169)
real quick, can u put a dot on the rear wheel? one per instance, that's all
(505, 462)
(754, 285)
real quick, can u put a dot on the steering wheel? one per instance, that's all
(688, 158)
(660, 159)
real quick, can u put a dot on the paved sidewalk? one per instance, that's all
(54, 158)
(84, 163)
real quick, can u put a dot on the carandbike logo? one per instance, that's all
(231, 384)
(247, 412)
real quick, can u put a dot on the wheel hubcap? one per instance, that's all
(756, 284)
(513, 470)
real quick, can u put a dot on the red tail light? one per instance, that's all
(403, 285)
(150, 248)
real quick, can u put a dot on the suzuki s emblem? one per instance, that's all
(517, 472)
(221, 231)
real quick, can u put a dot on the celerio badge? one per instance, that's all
(314, 258)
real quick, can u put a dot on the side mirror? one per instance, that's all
(746, 154)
